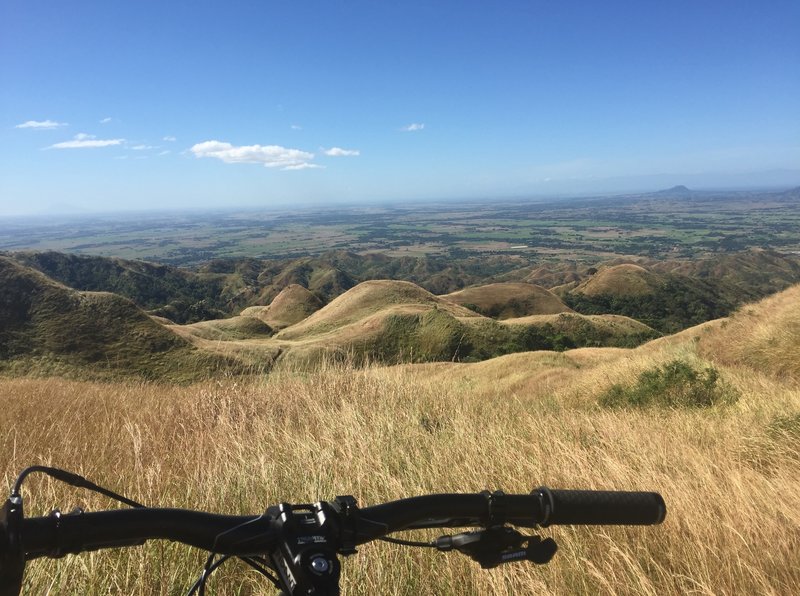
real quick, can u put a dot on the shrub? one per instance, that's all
(675, 384)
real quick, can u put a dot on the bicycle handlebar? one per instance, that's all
(301, 539)
(73, 533)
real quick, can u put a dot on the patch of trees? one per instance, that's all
(678, 304)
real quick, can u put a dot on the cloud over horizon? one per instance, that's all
(41, 124)
(270, 156)
(414, 127)
(339, 152)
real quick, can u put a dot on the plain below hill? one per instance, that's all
(508, 300)
(48, 328)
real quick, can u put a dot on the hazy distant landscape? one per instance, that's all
(678, 223)
(452, 282)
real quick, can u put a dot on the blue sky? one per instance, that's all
(175, 104)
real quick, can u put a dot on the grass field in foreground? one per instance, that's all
(730, 474)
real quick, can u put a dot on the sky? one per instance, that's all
(110, 105)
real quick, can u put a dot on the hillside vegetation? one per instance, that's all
(664, 301)
(729, 469)
(705, 288)
(47, 328)
(620, 304)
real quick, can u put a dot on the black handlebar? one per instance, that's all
(303, 538)
(595, 507)
(59, 534)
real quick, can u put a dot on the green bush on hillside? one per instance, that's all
(674, 385)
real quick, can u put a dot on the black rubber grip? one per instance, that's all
(604, 507)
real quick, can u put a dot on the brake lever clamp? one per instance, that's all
(499, 544)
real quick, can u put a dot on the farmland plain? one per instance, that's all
(678, 223)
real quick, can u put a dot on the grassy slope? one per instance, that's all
(365, 300)
(620, 280)
(730, 475)
(762, 337)
(664, 301)
(509, 300)
(294, 304)
(590, 330)
(47, 328)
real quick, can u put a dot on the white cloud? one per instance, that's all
(142, 147)
(339, 152)
(270, 156)
(169, 138)
(106, 120)
(165, 152)
(296, 127)
(84, 141)
(414, 127)
(304, 166)
(41, 124)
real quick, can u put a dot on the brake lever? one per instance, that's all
(499, 544)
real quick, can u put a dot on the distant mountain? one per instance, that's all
(675, 190)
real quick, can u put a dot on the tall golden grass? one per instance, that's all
(731, 482)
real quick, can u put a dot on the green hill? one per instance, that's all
(179, 295)
(47, 328)
(664, 301)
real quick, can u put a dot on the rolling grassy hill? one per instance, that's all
(293, 304)
(666, 302)
(48, 328)
(508, 300)
(511, 423)
(677, 293)
(384, 320)
(367, 299)
(627, 280)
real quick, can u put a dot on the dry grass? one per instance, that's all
(763, 336)
(732, 484)
(294, 304)
(510, 300)
(626, 279)
(367, 299)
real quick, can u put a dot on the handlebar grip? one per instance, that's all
(604, 507)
